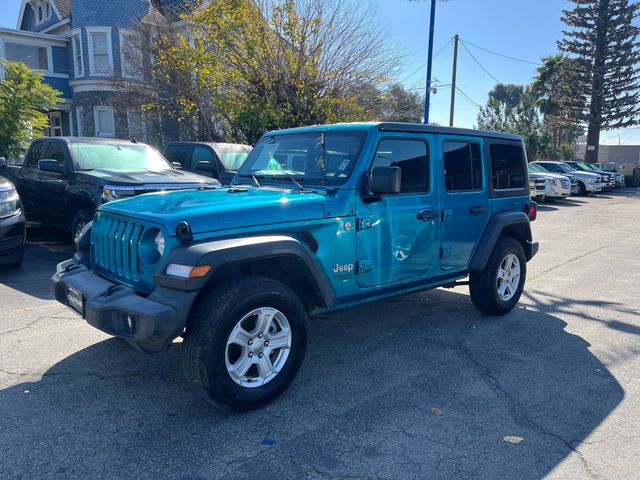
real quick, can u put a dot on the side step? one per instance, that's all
(455, 284)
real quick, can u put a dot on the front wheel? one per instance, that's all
(497, 289)
(245, 343)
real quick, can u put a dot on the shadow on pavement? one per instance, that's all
(44, 249)
(420, 387)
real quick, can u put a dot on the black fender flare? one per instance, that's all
(515, 224)
(224, 252)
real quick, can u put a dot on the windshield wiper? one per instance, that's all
(252, 177)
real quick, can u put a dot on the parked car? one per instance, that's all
(550, 185)
(391, 208)
(612, 168)
(63, 180)
(12, 225)
(219, 160)
(588, 182)
(536, 189)
(608, 180)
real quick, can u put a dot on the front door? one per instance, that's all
(52, 185)
(398, 235)
(464, 199)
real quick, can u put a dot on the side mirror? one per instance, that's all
(3, 162)
(386, 180)
(206, 166)
(177, 165)
(48, 165)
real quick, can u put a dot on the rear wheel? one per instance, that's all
(497, 289)
(245, 343)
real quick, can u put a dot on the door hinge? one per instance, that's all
(364, 266)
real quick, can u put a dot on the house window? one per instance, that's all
(100, 52)
(35, 57)
(130, 55)
(80, 121)
(104, 122)
(55, 124)
(78, 62)
(40, 16)
(48, 10)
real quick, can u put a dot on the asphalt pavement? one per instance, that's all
(422, 386)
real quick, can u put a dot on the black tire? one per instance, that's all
(582, 189)
(483, 285)
(79, 221)
(212, 322)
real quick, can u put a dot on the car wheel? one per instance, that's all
(79, 222)
(582, 190)
(497, 289)
(245, 343)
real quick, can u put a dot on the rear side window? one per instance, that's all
(412, 156)
(179, 153)
(35, 155)
(201, 154)
(507, 166)
(56, 152)
(462, 166)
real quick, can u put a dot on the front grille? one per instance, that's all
(114, 246)
(565, 183)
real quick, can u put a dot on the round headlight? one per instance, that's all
(159, 241)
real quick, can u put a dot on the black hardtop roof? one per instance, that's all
(437, 129)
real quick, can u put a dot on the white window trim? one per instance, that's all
(57, 114)
(90, 32)
(96, 110)
(49, 71)
(80, 121)
(77, 32)
(123, 33)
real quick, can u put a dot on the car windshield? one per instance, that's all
(536, 169)
(232, 156)
(588, 168)
(321, 158)
(557, 167)
(120, 157)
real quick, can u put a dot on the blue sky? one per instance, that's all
(523, 29)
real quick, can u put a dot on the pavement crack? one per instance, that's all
(574, 259)
(517, 409)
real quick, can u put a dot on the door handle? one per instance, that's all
(427, 215)
(477, 210)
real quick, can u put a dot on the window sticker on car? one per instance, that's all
(343, 166)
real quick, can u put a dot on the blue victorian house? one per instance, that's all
(82, 49)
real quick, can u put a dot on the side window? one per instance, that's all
(507, 166)
(201, 154)
(35, 155)
(179, 153)
(56, 152)
(412, 156)
(462, 166)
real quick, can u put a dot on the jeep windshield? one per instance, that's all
(319, 158)
(232, 155)
(124, 157)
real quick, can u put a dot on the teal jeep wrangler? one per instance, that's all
(318, 219)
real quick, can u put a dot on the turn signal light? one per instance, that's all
(188, 271)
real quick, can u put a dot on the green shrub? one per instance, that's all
(631, 181)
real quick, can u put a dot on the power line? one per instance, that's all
(501, 54)
(424, 65)
(468, 98)
(480, 65)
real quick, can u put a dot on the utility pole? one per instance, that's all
(427, 97)
(453, 80)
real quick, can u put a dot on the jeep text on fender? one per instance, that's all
(317, 219)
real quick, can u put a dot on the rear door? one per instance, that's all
(204, 154)
(28, 179)
(181, 154)
(52, 185)
(464, 198)
(397, 238)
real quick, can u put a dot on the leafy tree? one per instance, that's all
(602, 42)
(23, 100)
(247, 66)
(394, 103)
(512, 108)
(554, 91)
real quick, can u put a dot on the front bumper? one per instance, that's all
(12, 236)
(593, 187)
(557, 191)
(149, 322)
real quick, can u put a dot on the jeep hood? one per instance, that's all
(221, 209)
